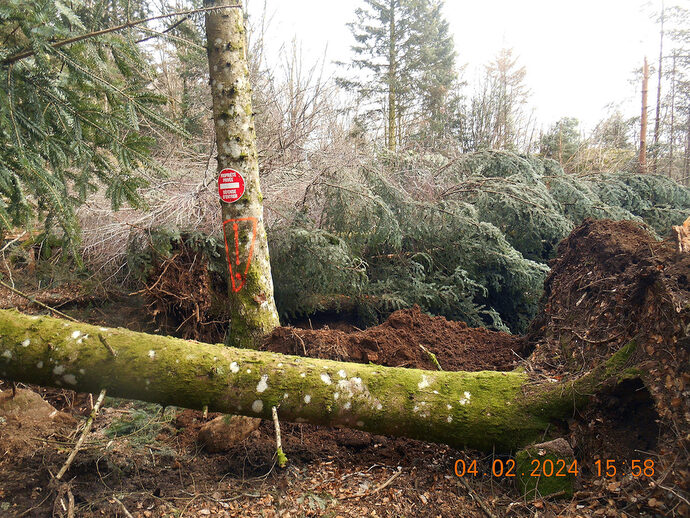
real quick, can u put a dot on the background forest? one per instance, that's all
(391, 185)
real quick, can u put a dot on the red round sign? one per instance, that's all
(230, 185)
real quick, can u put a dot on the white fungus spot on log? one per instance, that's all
(307, 399)
(357, 381)
(326, 378)
(379, 406)
(39, 365)
(152, 354)
(58, 370)
(449, 419)
(449, 407)
(360, 423)
(70, 378)
(336, 395)
(234, 368)
(249, 371)
(342, 374)
(303, 375)
(76, 334)
(215, 358)
(257, 406)
(435, 391)
(424, 383)
(263, 384)
(26, 343)
(467, 395)
(7, 354)
(102, 328)
(286, 395)
(79, 341)
(347, 405)
(280, 365)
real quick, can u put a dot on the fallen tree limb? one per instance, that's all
(489, 411)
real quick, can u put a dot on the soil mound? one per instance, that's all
(610, 283)
(401, 342)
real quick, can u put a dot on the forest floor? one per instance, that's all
(145, 460)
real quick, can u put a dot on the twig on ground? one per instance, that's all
(86, 430)
(38, 303)
(475, 496)
(304, 348)
(122, 506)
(282, 459)
(379, 488)
(431, 356)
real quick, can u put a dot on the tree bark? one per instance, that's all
(657, 118)
(392, 79)
(253, 312)
(489, 411)
(643, 119)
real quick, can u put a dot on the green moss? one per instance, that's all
(490, 411)
(536, 474)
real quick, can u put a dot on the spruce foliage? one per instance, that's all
(73, 118)
(468, 238)
(476, 249)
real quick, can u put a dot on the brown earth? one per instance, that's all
(610, 283)
(396, 343)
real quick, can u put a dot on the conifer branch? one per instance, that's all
(28, 53)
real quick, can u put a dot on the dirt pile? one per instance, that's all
(402, 341)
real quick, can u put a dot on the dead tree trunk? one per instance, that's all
(657, 118)
(253, 311)
(643, 119)
(499, 411)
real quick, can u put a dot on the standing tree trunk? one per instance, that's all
(392, 71)
(253, 311)
(643, 119)
(672, 129)
(657, 118)
(686, 160)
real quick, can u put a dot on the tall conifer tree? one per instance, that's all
(404, 65)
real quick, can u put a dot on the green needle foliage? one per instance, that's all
(475, 250)
(469, 238)
(74, 118)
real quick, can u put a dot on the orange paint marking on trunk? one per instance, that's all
(238, 277)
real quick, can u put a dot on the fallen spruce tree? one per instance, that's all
(616, 309)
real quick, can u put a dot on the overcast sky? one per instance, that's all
(579, 55)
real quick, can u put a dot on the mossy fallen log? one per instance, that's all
(490, 411)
